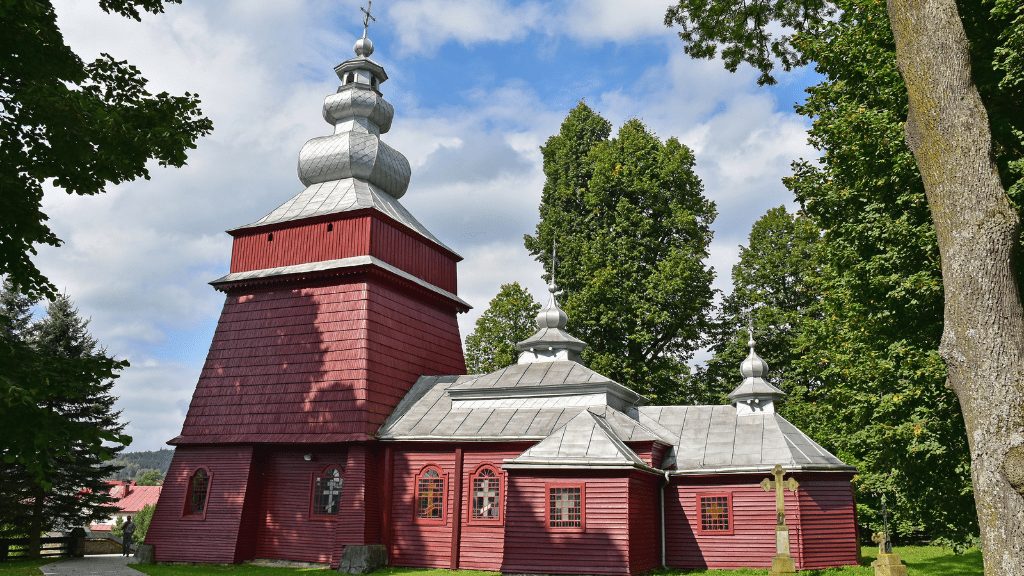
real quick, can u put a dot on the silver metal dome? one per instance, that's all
(359, 115)
(363, 47)
(551, 342)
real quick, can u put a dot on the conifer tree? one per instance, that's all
(633, 228)
(510, 318)
(71, 490)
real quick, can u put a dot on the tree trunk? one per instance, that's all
(35, 525)
(978, 232)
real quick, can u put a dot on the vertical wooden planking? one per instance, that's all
(215, 536)
(456, 508)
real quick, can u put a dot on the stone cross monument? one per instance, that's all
(887, 564)
(782, 563)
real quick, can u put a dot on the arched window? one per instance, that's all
(198, 492)
(430, 495)
(485, 495)
(327, 492)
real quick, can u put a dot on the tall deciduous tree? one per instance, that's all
(78, 126)
(770, 289)
(509, 318)
(976, 225)
(633, 228)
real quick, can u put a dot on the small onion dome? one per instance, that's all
(754, 395)
(551, 316)
(363, 47)
(551, 342)
(753, 365)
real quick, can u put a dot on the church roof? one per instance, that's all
(714, 439)
(587, 440)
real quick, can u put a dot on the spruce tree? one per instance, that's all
(633, 228)
(63, 485)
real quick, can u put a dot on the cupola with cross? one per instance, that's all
(754, 396)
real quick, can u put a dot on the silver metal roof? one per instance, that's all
(551, 342)
(339, 196)
(714, 439)
(558, 403)
(753, 386)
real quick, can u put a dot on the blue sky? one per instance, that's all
(478, 86)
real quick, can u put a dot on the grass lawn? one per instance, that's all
(24, 567)
(920, 561)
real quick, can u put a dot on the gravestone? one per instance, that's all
(782, 564)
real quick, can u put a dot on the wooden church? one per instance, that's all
(334, 414)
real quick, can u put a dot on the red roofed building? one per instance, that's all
(333, 414)
(130, 499)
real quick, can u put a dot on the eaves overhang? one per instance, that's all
(329, 267)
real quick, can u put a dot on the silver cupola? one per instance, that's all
(551, 343)
(359, 115)
(754, 396)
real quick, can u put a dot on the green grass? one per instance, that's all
(24, 567)
(920, 561)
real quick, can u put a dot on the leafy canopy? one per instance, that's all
(633, 228)
(74, 124)
(509, 319)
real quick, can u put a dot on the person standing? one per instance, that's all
(126, 538)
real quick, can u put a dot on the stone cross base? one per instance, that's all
(783, 566)
(363, 559)
(889, 565)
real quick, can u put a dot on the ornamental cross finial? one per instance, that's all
(778, 485)
(554, 259)
(367, 17)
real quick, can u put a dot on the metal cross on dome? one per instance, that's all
(367, 17)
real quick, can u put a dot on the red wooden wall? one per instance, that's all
(479, 546)
(822, 532)
(216, 537)
(603, 548)
(352, 234)
(644, 522)
(316, 364)
(285, 529)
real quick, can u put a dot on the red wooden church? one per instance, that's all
(333, 415)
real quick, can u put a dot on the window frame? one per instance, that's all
(583, 507)
(729, 510)
(313, 514)
(186, 509)
(502, 478)
(444, 496)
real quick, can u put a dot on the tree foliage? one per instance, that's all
(78, 125)
(874, 338)
(58, 482)
(510, 318)
(769, 289)
(633, 228)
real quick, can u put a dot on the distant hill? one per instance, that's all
(138, 463)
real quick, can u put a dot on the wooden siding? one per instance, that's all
(828, 520)
(216, 537)
(411, 253)
(316, 364)
(300, 243)
(602, 548)
(644, 523)
(286, 530)
(364, 234)
(815, 505)
(480, 546)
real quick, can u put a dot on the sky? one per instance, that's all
(478, 86)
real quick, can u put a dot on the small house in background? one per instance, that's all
(131, 498)
(334, 413)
